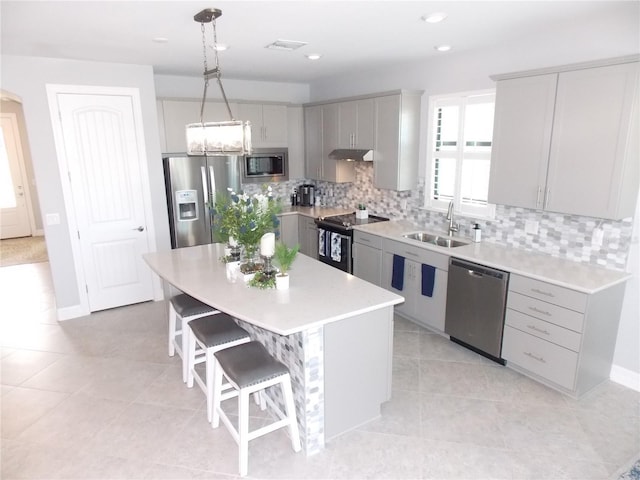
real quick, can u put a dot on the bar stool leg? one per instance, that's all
(172, 329)
(290, 406)
(187, 375)
(210, 366)
(217, 392)
(243, 432)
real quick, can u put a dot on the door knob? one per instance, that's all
(140, 228)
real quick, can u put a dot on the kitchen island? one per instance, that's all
(334, 332)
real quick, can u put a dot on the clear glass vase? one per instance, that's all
(250, 262)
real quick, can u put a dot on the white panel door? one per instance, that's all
(104, 162)
(14, 213)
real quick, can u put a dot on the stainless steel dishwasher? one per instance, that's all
(476, 299)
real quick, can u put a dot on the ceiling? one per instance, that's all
(351, 35)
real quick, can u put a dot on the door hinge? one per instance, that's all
(86, 287)
(78, 231)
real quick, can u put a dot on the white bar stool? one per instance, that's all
(249, 369)
(211, 334)
(184, 308)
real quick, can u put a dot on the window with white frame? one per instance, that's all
(459, 152)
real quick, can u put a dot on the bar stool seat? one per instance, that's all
(249, 369)
(184, 308)
(211, 334)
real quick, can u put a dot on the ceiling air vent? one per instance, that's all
(286, 45)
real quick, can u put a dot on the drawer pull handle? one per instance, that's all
(411, 254)
(362, 239)
(540, 359)
(537, 310)
(546, 294)
(536, 329)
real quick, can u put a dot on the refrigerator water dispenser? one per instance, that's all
(187, 203)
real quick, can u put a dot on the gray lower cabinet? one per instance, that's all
(367, 257)
(559, 336)
(428, 311)
(289, 230)
(308, 236)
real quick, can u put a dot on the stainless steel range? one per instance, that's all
(335, 238)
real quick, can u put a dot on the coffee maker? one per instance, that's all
(307, 194)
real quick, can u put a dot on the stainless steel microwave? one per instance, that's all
(266, 165)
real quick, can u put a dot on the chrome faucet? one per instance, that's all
(453, 227)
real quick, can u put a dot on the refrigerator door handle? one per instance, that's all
(205, 188)
(212, 179)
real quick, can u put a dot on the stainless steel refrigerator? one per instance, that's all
(191, 184)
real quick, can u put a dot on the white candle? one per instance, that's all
(268, 244)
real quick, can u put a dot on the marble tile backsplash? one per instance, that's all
(559, 235)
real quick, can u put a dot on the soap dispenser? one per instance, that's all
(477, 233)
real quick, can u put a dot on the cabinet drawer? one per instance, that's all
(550, 361)
(545, 311)
(549, 293)
(417, 254)
(545, 330)
(372, 240)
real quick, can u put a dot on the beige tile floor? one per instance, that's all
(98, 398)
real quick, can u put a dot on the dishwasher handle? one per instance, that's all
(476, 270)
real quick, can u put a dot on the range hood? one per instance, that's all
(352, 155)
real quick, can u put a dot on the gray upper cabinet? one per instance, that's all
(397, 136)
(313, 142)
(174, 115)
(568, 142)
(355, 124)
(388, 123)
(522, 140)
(321, 137)
(268, 123)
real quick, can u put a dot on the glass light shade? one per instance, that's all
(219, 138)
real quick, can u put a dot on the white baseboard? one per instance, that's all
(623, 376)
(68, 313)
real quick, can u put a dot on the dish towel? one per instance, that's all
(428, 279)
(321, 248)
(336, 247)
(397, 275)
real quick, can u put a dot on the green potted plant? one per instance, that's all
(245, 219)
(284, 257)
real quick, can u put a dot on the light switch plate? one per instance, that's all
(53, 218)
(531, 227)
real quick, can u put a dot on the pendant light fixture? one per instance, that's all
(216, 138)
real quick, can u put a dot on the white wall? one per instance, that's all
(172, 86)
(27, 78)
(626, 358)
(584, 40)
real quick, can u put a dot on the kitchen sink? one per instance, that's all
(438, 240)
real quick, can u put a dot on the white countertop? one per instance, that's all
(315, 212)
(565, 273)
(319, 294)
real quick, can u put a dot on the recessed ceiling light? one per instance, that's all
(443, 48)
(313, 56)
(160, 39)
(434, 17)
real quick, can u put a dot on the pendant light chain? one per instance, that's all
(206, 78)
(217, 70)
